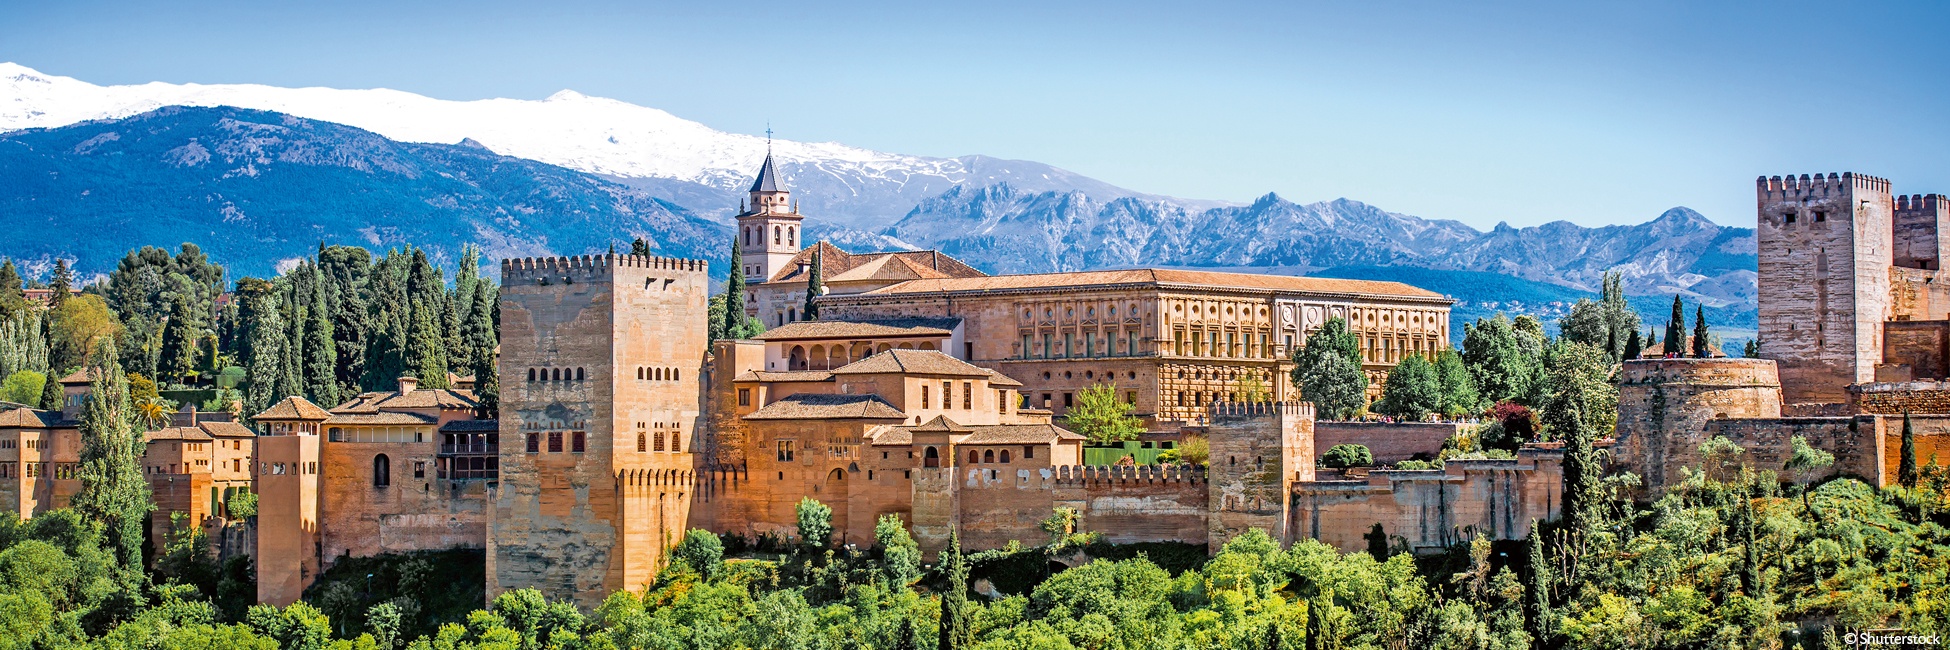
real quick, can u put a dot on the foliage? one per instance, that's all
(1459, 395)
(1676, 329)
(23, 387)
(900, 555)
(1347, 455)
(430, 588)
(113, 490)
(23, 347)
(1577, 377)
(1500, 358)
(702, 551)
(1196, 450)
(1328, 371)
(1101, 416)
(1608, 324)
(815, 286)
(815, 523)
(76, 326)
(1413, 390)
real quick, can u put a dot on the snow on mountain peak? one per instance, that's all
(570, 129)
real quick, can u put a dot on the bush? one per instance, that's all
(1347, 455)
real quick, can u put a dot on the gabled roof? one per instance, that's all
(420, 398)
(176, 433)
(293, 408)
(836, 265)
(768, 177)
(26, 418)
(854, 329)
(911, 362)
(807, 406)
(940, 424)
(1019, 434)
(226, 429)
(999, 379)
(388, 417)
(76, 377)
(1160, 277)
(787, 375)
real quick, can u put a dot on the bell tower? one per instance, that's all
(768, 228)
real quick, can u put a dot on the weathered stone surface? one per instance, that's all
(1390, 442)
(1432, 509)
(1665, 404)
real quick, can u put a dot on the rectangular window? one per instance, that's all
(967, 395)
(1001, 401)
(1025, 346)
(1789, 217)
(534, 442)
(924, 395)
(744, 397)
(579, 442)
(554, 442)
(1029, 452)
(1130, 397)
(785, 451)
(1820, 216)
(1048, 351)
(1045, 400)
(1069, 400)
(1069, 341)
(947, 394)
(1089, 344)
(419, 469)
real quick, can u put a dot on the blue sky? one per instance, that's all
(1481, 112)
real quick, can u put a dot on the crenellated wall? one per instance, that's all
(1431, 509)
(1258, 450)
(1665, 404)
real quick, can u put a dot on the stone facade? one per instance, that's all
(1664, 405)
(1390, 442)
(1825, 259)
(1432, 509)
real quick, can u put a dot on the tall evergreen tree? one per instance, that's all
(487, 379)
(263, 344)
(1537, 592)
(113, 489)
(425, 356)
(815, 285)
(734, 292)
(291, 371)
(52, 399)
(344, 270)
(640, 247)
(1676, 330)
(1700, 350)
(955, 631)
(13, 294)
(1583, 468)
(179, 352)
(1906, 472)
(61, 283)
(1634, 346)
(320, 351)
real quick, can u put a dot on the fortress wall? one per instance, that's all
(1431, 509)
(1391, 442)
(1664, 406)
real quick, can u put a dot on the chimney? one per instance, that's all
(407, 384)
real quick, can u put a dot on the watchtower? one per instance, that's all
(1825, 255)
(1258, 451)
(1919, 228)
(768, 229)
(601, 393)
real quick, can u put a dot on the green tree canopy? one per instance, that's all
(1102, 416)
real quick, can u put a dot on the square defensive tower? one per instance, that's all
(601, 360)
(1825, 258)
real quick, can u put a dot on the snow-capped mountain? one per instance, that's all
(700, 167)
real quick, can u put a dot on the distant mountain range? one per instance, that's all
(570, 174)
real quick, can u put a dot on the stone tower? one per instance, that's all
(601, 360)
(768, 230)
(1921, 220)
(1258, 450)
(1825, 255)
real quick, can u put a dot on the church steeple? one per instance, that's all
(768, 227)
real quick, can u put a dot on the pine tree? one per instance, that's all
(1633, 346)
(62, 283)
(815, 285)
(641, 248)
(1537, 593)
(734, 292)
(113, 489)
(1906, 474)
(178, 358)
(320, 352)
(955, 632)
(1676, 330)
(1699, 332)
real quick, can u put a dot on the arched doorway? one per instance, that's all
(836, 498)
(796, 359)
(930, 458)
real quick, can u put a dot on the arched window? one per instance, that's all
(1005, 455)
(791, 236)
(640, 443)
(555, 374)
(974, 457)
(748, 235)
(791, 315)
(382, 471)
(930, 458)
(531, 374)
(578, 374)
(674, 373)
(775, 234)
(988, 456)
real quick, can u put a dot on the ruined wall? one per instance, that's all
(1825, 291)
(1913, 350)
(1769, 443)
(580, 525)
(1433, 509)
(1257, 451)
(1664, 406)
(1391, 442)
(1896, 398)
(1138, 504)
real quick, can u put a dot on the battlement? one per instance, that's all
(1805, 186)
(1921, 204)
(1728, 372)
(656, 477)
(1242, 410)
(1101, 475)
(529, 268)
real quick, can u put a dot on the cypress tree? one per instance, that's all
(1273, 641)
(1377, 543)
(1676, 330)
(487, 379)
(113, 490)
(13, 295)
(642, 248)
(52, 399)
(1582, 469)
(62, 283)
(1753, 349)
(904, 638)
(1633, 346)
(179, 351)
(1906, 474)
(1699, 332)
(344, 270)
(320, 378)
(1750, 574)
(263, 344)
(291, 373)
(1537, 593)
(734, 295)
(955, 633)
(815, 285)
(425, 356)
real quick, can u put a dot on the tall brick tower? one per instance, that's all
(601, 359)
(768, 230)
(1258, 450)
(1825, 255)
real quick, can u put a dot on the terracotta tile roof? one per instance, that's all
(999, 379)
(808, 406)
(836, 265)
(890, 436)
(176, 433)
(26, 418)
(1159, 277)
(226, 429)
(76, 377)
(845, 329)
(388, 417)
(940, 424)
(790, 375)
(293, 408)
(1019, 434)
(912, 362)
(421, 398)
(471, 426)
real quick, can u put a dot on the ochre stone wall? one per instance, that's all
(287, 517)
(1769, 443)
(1257, 452)
(1664, 406)
(1896, 398)
(1913, 350)
(1434, 508)
(1390, 442)
(410, 513)
(1825, 292)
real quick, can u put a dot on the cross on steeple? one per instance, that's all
(768, 138)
